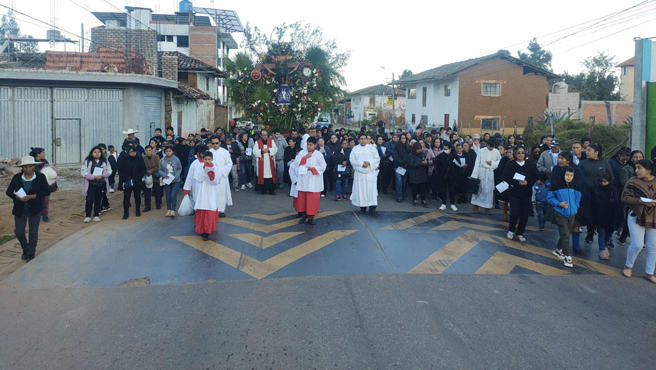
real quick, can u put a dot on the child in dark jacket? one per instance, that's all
(607, 213)
(566, 199)
(540, 198)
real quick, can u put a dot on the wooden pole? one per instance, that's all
(591, 129)
(503, 128)
(515, 123)
(469, 124)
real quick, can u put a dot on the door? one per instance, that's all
(68, 140)
(446, 120)
(153, 113)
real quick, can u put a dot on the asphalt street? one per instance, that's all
(473, 301)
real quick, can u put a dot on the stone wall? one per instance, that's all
(170, 67)
(144, 41)
(563, 103)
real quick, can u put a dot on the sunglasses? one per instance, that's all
(215, 143)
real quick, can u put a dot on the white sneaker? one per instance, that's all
(111, 191)
(87, 220)
(250, 186)
(96, 219)
(323, 195)
(568, 262)
(454, 208)
(510, 235)
(521, 238)
(243, 187)
(558, 253)
(442, 207)
(236, 189)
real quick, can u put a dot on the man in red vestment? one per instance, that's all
(264, 151)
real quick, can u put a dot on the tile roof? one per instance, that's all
(378, 90)
(193, 93)
(448, 70)
(187, 63)
(629, 62)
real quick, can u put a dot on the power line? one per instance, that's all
(614, 33)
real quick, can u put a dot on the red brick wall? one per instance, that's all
(102, 60)
(619, 111)
(202, 44)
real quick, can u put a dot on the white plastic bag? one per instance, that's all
(186, 208)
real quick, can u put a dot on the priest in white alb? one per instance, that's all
(365, 160)
(486, 162)
(223, 165)
(264, 151)
(310, 167)
(190, 185)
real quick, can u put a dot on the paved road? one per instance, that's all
(409, 289)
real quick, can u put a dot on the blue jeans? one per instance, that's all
(245, 172)
(171, 195)
(341, 186)
(603, 237)
(401, 185)
(638, 240)
(542, 213)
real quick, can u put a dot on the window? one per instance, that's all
(424, 120)
(207, 84)
(490, 123)
(183, 41)
(164, 38)
(413, 119)
(423, 97)
(412, 93)
(447, 90)
(624, 71)
(491, 89)
(161, 38)
(446, 120)
(356, 100)
(372, 101)
(169, 38)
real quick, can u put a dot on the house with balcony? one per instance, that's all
(375, 102)
(481, 93)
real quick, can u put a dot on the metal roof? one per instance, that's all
(377, 90)
(202, 21)
(111, 16)
(448, 70)
(228, 20)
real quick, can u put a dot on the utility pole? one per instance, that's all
(639, 99)
(393, 104)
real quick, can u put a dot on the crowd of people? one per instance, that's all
(574, 189)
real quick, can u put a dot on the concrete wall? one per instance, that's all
(626, 83)
(414, 106)
(445, 104)
(196, 114)
(560, 103)
(619, 111)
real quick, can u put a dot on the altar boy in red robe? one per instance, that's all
(206, 197)
(309, 184)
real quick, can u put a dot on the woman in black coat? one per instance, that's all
(290, 154)
(401, 151)
(519, 192)
(457, 174)
(27, 209)
(440, 175)
(131, 172)
(417, 174)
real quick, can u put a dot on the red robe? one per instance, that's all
(307, 202)
(260, 163)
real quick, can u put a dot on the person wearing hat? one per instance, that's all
(131, 138)
(476, 143)
(549, 158)
(27, 189)
(50, 172)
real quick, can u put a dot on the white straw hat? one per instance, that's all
(130, 131)
(27, 160)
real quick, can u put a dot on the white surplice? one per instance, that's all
(293, 175)
(365, 192)
(206, 195)
(191, 184)
(257, 153)
(223, 163)
(485, 173)
(309, 182)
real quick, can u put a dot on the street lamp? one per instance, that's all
(393, 99)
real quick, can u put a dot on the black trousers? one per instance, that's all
(442, 186)
(157, 191)
(519, 211)
(95, 195)
(388, 177)
(419, 189)
(29, 247)
(136, 190)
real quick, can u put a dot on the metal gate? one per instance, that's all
(68, 140)
(153, 113)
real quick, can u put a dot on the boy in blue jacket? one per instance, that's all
(540, 198)
(566, 198)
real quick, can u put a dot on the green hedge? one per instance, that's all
(611, 138)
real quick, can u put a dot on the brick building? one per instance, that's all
(484, 92)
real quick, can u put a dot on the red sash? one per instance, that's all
(260, 163)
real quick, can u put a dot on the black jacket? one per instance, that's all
(417, 172)
(400, 153)
(40, 188)
(528, 170)
(441, 166)
(131, 168)
(236, 152)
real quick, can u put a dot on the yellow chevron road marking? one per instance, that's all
(265, 242)
(271, 228)
(271, 217)
(406, 224)
(254, 267)
(502, 264)
(455, 225)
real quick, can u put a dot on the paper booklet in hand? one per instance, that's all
(98, 171)
(519, 177)
(249, 151)
(401, 171)
(302, 170)
(168, 180)
(20, 193)
(341, 168)
(502, 186)
(645, 200)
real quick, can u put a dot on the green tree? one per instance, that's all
(9, 26)
(536, 55)
(597, 81)
(404, 74)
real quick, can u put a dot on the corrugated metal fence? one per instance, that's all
(82, 118)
